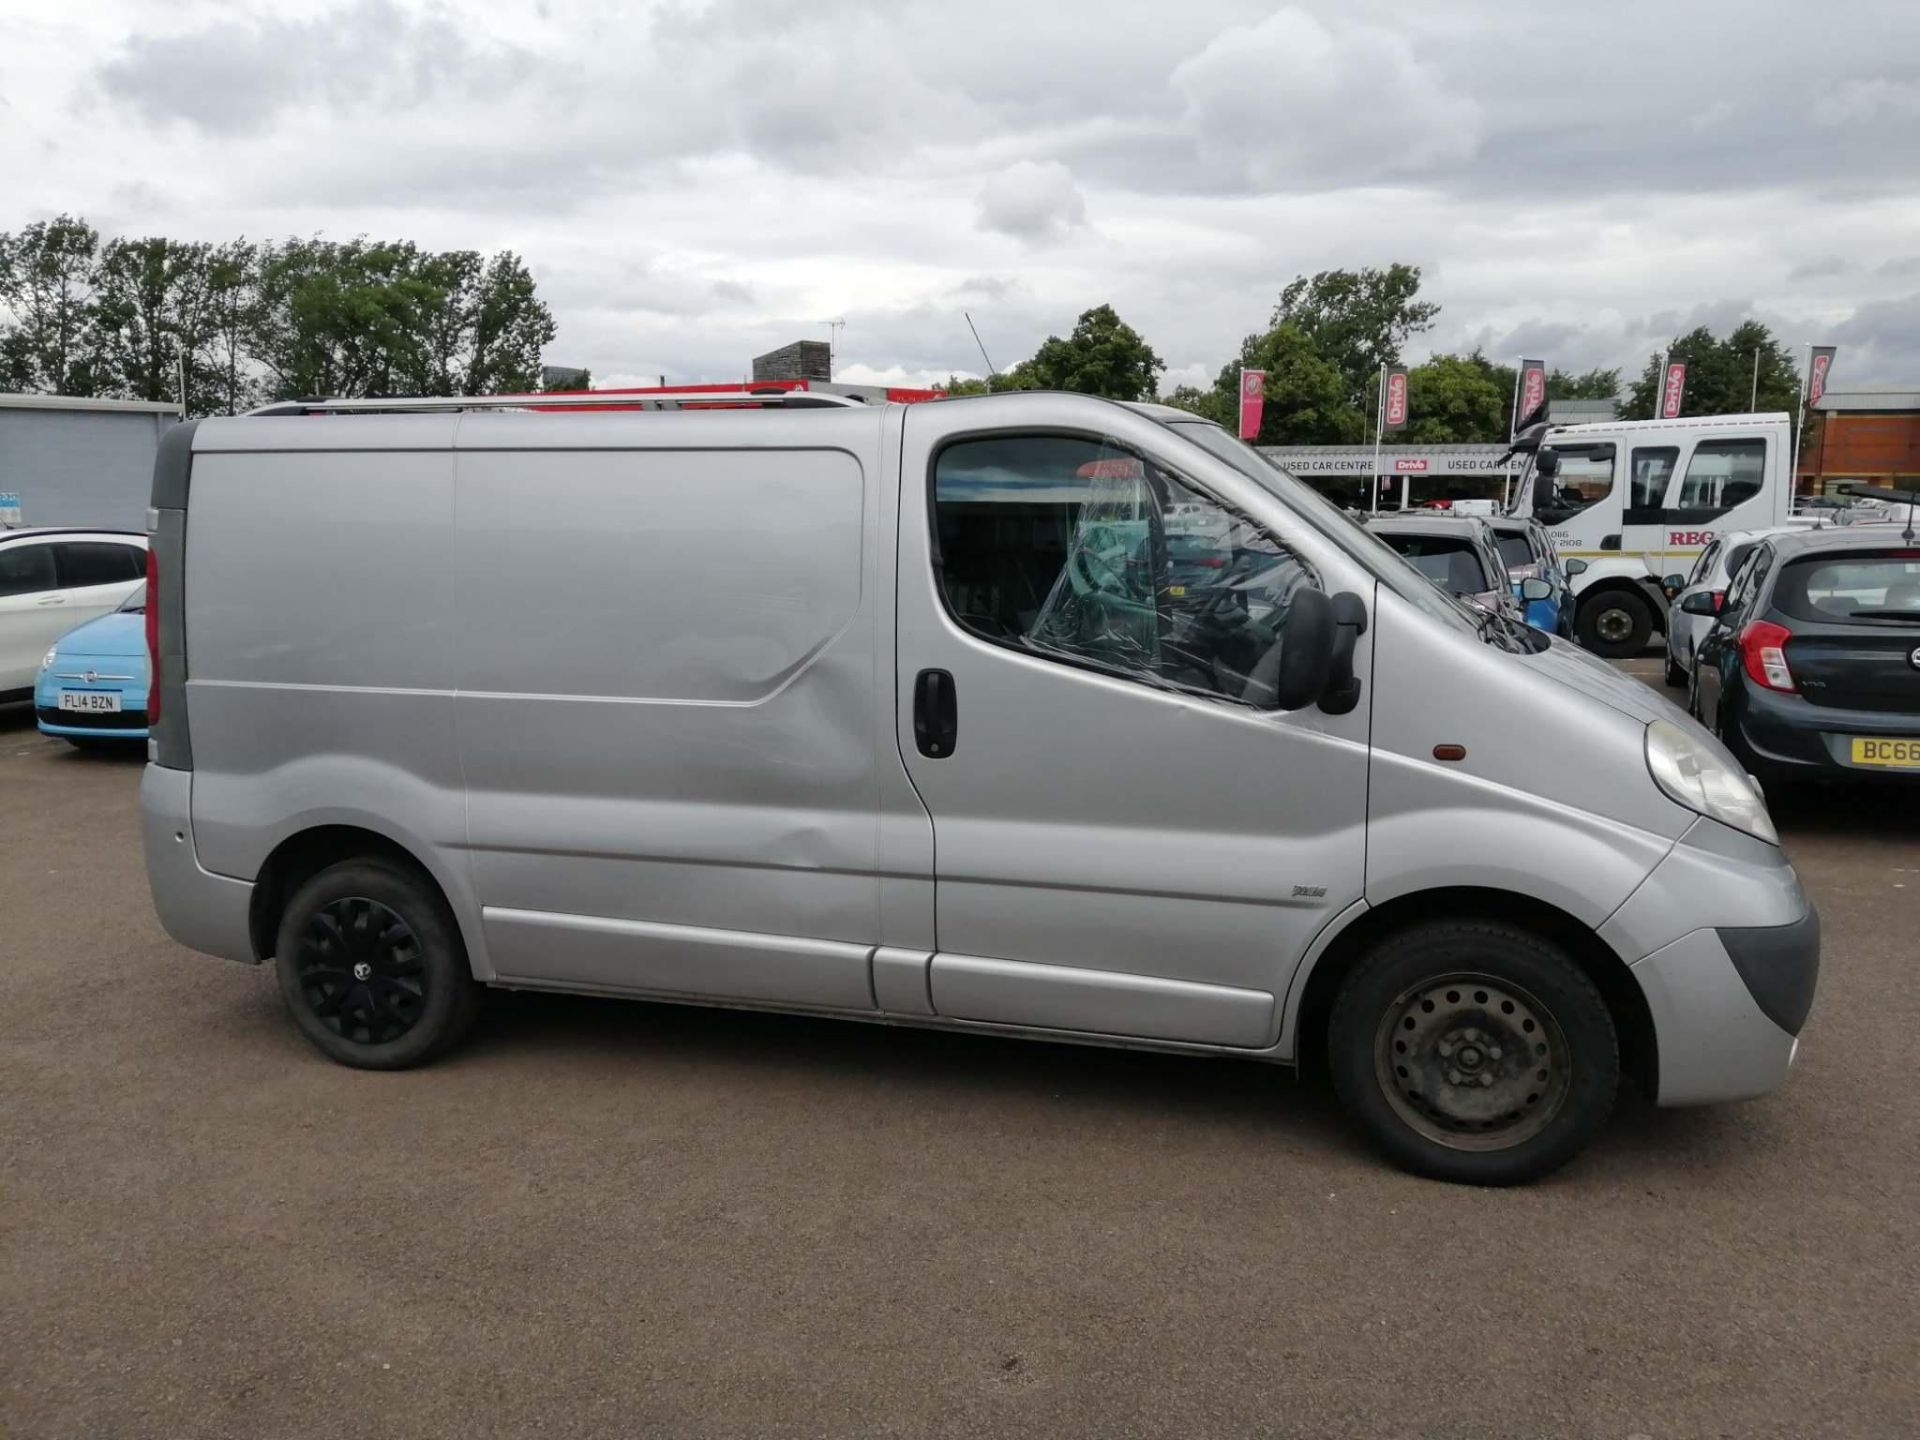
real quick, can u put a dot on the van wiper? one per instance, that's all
(1884, 614)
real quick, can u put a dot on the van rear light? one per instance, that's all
(1763, 650)
(153, 637)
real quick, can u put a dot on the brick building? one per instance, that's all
(1863, 436)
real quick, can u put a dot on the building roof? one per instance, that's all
(1884, 397)
(79, 402)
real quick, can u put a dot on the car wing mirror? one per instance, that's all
(1574, 567)
(1534, 588)
(1704, 602)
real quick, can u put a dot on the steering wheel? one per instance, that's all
(1091, 570)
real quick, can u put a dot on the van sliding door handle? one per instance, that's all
(936, 714)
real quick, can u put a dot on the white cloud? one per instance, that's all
(1293, 102)
(1033, 201)
(695, 181)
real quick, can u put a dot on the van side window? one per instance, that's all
(1652, 468)
(25, 569)
(1720, 474)
(1586, 478)
(1079, 551)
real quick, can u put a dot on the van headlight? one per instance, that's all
(1696, 776)
(46, 660)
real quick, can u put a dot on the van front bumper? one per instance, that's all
(1729, 995)
(201, 910)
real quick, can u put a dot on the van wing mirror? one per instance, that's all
(1574, 567)
(1342, 690)
(1294, 671)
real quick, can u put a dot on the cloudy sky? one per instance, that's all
(695, 181)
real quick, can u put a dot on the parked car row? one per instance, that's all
(1505, 566)
(71, 631)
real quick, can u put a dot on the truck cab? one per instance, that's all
(1637, 499)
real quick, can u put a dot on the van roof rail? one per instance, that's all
(731, 397)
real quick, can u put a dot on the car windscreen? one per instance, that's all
(1857, 589)
(1515, 548)
(1450, 561)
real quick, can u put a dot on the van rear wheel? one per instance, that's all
(372, 968)
(1474, 1051)
(1615, 624)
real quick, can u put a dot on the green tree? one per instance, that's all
(1103, 356)
(1306, 398)
(46, 283)
(1594, 384)
(1357, 320)
(1455, 400)
(231, 312)
(386, 318)
(1720, 374)
(150, 320)
(567, 379)
(958, 385)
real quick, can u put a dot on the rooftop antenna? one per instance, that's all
(991, 372)
(834, 327)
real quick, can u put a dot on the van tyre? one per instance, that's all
(1615, 624)
(1676, 676)
(1473, 1051)
(372, 968)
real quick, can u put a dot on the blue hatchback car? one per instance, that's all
(92, 689)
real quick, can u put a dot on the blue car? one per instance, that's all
(92, 689)
(1528, 551)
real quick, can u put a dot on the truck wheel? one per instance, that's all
(372, 967)
(1473, 1051)
(1615, 623)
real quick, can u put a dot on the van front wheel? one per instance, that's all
(372, 968)
(1615, 624)
(1474, 1051)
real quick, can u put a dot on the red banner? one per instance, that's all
(1817, 373)
(1253, 400)
(1533, 389)
(1395, 417)
(1672, 389)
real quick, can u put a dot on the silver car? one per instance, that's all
(1027, 714)
(1462, 556)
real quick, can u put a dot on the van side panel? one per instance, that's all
(319, 609)
(666, 711)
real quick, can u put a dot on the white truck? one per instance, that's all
(1638, 499)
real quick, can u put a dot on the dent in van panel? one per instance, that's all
(665, 575)
(667, 711)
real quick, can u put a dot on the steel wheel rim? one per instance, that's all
(1614, 625)
(1472, 1062)
(361, 971)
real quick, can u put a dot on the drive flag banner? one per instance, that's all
(1394, 417)
(1533, 388)
(1253, 400)
(1817, 373)
(1672, 389)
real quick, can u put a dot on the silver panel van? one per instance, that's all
(1034, 714)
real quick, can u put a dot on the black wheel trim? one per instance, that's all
(361, 971)
(1531, 1072)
